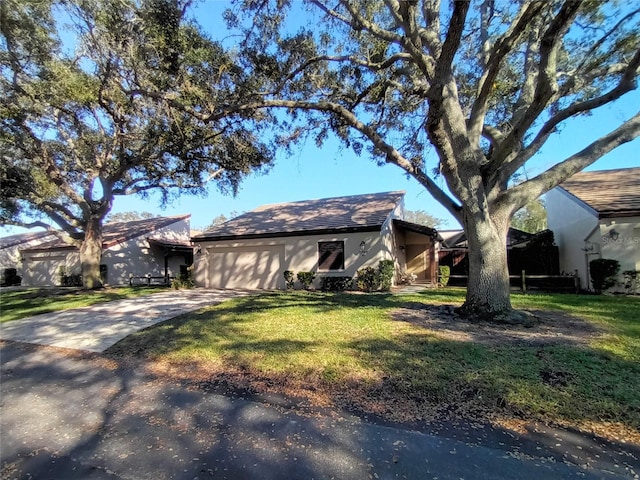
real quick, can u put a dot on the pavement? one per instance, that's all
(73, 414)
(95, 328)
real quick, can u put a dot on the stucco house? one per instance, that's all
(155, 246)
(10, 246)
(330, 237)
(597, 215)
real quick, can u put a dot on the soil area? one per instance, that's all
(547, 328)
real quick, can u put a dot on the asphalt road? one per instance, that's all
(73, 415)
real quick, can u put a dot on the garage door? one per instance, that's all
(246, 267)
(43, 271)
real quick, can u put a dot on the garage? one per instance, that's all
(39, 271)
(251, 267)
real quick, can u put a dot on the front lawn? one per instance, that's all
(21, 303)
(406, 358)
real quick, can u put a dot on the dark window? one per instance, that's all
(331, 255)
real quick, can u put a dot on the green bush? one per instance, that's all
(631, 280)
(288, 278)
(386, 270)
(603, 273)
(444, 272)
(182, 282)
(367, 279)
(336, 284)
(306, 279)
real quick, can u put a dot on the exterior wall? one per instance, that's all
(625, 248)
(299, 253)
(571, 223)
(137, 258)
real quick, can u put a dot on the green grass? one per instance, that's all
(16, 304)
(349, 346)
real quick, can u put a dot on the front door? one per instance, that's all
(417, 261)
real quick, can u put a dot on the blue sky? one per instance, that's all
(329, 171)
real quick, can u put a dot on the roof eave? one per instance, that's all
(300, 233)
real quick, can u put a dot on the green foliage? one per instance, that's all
(10, 277)
(421, 217)
(182, 283)
(288, 278)
(532, 218)
(386, 270)
(603, 273)
(367, 279)
(129, 216)
(631, 281)
(306, 279)
(336, 284)
(444, 272)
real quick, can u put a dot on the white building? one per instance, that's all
(597, 215)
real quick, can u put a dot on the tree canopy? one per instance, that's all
(477, 86)
(531, 218)
(89, 112)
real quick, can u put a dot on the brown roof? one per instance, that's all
(339, 214)
(611, 193)
(20, 238)
(119, 232)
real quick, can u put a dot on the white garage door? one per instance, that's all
(42, 271)
(246, 267)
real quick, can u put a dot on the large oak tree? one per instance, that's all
(482, 84)
(82, 122)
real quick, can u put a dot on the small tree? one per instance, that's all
(603, 273)
(306, 279)
(367, 279)
(385, 274)
(444, 272)
(288, 278)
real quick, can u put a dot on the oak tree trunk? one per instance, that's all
(91, 254)
(488, 290)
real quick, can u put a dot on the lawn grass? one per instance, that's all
(16, 304)
(349, 347)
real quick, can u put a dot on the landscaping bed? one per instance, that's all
(410, 359)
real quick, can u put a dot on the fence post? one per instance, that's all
(524, 285)
(576, 281)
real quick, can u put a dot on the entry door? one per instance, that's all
(417, 261)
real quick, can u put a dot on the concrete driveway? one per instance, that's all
(97, 327)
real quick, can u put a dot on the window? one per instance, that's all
(331, 255)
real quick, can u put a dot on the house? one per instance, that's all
(597, 215)
(10, 248)
(330, 237)
(158, 247)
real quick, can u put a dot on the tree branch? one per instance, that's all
(523, 193)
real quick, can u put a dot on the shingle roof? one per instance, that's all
(119, 232)
(338, 214)
(20, 238)
(611, 193)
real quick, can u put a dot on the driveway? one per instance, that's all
(97, 327)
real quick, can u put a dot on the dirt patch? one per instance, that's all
(548, 328)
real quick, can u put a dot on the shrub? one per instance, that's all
(288, 278)
(336, 284)
(306, 279)
(182, 282)
(10, 277)
(631, 282)
(386, 270)
(444, 272)
(603, 272)
(367, 280)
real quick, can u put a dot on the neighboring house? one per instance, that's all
(331, 237)
(454, 249)
(157, 247)
(597, 215)
(10, 246)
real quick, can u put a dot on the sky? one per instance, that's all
(332, 170)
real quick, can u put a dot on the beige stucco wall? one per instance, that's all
(296, 253)
(571, 224)
(625, 249)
